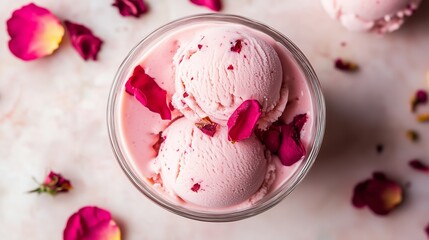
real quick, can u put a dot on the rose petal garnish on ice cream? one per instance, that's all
(379, 193)
(133, 8)
(345, 65)
(243, 120)
(419, 98)
(53, 184)
(291, 149)
(144, 88)
(83, 40)
(272, 138)
(91, 223)
(207, 126)
(418, 165)
(215, 5)
(236, 47)
(34, 32)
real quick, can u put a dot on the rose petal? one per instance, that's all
(419, 98)
(237, 46)
(214, 5)
(379, 193)
(272, 138)
(144, 88)
(291, 149)
(419, 166)
(359, 196)
(243, 120)
(91, 223)
(83, 40)
(346, 66)
(133, 8)
(34, 32)
(207, 126)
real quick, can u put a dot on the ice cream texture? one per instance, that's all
(224, 66)
(208, 70)
(210, 171)
(380, 16)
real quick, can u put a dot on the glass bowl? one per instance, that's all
(270, 200)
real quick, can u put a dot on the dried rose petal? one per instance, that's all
(291, 148)
(423, 117)
(34, 32)
(345, 65)
(412, 135)
(419, 98)
(133, 8)
(83, 40)
(237, 46)
(91, 223)
(215, 5)
(379, 193)
(243, 120)
(196, 187)
(419, 166)
(53, 184)
(144, 88)
(207, 126)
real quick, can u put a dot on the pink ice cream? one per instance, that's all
(224, 66)
(192, 64)
(210, 171)
(377, 16)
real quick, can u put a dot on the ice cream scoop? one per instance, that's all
(210, 171)
(221, 68)
(380, 16)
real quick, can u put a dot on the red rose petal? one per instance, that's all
(83, 40)
(243, 120)
(133, 8)
(91, 223)
(419, 98)
(419, 166)
(237, 46)
(272, 138)
(345, 65)
(358, 199)
(207, 126)
(291, 149)
(34, 32)
(215, 5)
(196, 187)
(144, 88)
(379, 193)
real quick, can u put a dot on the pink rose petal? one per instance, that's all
(83, 40)
(214, 5)
(91, 223)
(144, 88)
(419, 166)
(207, 126)
(291, 148)
(272, 138)
(379, 193)
(133, 8)
(243, 120)
(34, 32)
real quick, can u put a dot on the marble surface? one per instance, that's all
(52, 116)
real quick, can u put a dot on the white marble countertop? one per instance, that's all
(52, 116)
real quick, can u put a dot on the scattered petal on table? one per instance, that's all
(133, 8)
(83, 40)
(54, 183)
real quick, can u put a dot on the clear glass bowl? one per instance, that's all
(268, 201)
